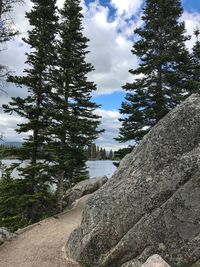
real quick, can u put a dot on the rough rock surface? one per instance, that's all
(151, 205)
(5, 235)
(155, 261)
(134, 263)
(84, 188)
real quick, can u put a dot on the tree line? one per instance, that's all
(7, 151)
(92, 152)
(95, 152)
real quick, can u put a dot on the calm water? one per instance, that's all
(96, 168)
(100, 168)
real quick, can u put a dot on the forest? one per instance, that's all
(92, 152)
(58, 111)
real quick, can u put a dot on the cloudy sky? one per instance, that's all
(109, 24)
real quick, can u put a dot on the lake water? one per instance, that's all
(96, 168)
(101, 167)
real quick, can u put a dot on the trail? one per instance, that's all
(42, 245)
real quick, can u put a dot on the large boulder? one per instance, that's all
(84, 188)
(151, 205)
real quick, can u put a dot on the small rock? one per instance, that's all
(134, 263)
(155, 261)
(83, 188)
(5, 235)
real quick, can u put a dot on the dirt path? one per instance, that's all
(42, 245)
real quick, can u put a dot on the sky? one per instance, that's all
(109, 24)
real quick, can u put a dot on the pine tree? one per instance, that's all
(98, 153)
(111, 156)
(160, 80)
(93, 152)
(7, 32)
(74, 123)
(104, 154)
(12, 202)
(33, 108)
(194, 69)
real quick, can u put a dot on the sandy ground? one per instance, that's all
(42, 245)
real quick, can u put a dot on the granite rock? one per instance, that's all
(151, 205)
(84, 188)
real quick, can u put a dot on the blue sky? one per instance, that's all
(109, 24)
(191, 5)
(110, 101)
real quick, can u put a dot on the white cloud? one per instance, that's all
(7, 125)
(60, 3)
(192, 20)
(14, 56)
(110, 122)
(127, 8)
(110, 48)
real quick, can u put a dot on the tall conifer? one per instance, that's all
(160, 81)
(194, 69)
(74, 124)
(7, 32)
(34, 106)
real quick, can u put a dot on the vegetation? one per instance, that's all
(33, 108)
(8, 152)
(10, 216)
(161, 81)
(73, 122)
(14, 201)
(121, 153)
(95, 152)
(58, 109)
(7, 32)
(194, 70)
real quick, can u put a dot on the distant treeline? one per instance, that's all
(92, 152)
(95, 152)
(8, 151)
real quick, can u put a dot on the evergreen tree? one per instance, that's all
(93, 152)
(111, 156)
(10, 216)
(34, 107)
(7, 32)
(12, 200)
(98, 153)
(104, 154)
(194, 69)
(74, 124)
(101, 153)
(160, 80)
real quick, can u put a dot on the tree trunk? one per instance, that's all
(1, 8)
(60, 191)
